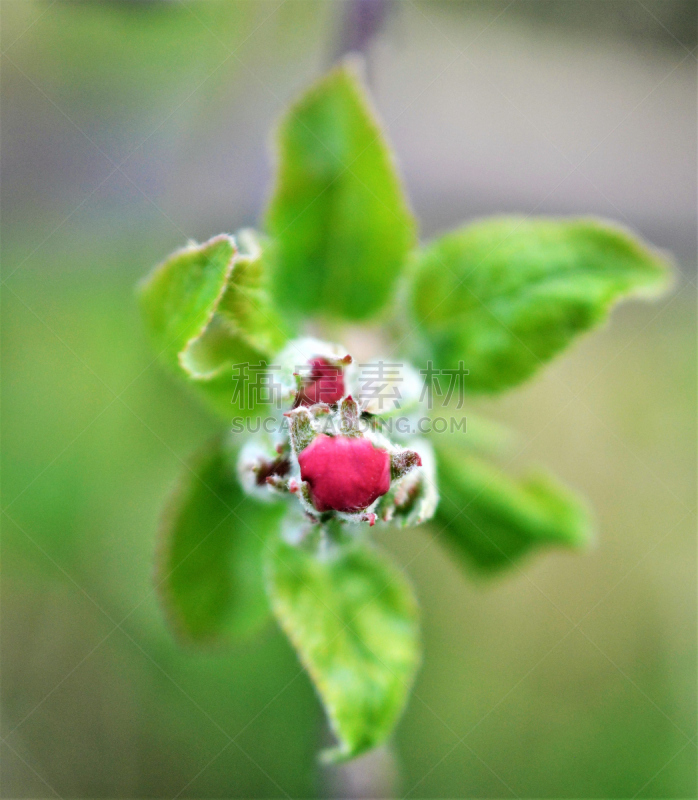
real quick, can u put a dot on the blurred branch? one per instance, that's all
(362, 20)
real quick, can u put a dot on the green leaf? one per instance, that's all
(338, 215)
(352, 618)
(482, 436)
(180, 296)
(207, 308)
(246, 305)
(505, 295)
(209, 566)
(492, 520)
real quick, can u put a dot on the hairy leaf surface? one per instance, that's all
(492, 519)
(338, 216)
(505, 295)
(352, 618)
(207, 308)
(209, 569)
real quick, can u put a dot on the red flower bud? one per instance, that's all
(344, 473)
(325, 384)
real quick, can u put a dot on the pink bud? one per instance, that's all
(325, 384)
(344, 473)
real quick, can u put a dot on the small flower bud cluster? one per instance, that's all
(334, 466)
(313, 371)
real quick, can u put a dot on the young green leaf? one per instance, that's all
(246, 305)
(209, 567)
(338, 216)
(482, 436)
(493, 520)
(352, 618)
(505, 295)
(180, 295)
(207, 308)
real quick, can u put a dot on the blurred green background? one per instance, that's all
(129, 127)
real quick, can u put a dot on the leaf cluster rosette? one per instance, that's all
(280, 522)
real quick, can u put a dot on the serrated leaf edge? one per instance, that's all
(650, 289)
(183, 353)
(342, 752)
(353, 66)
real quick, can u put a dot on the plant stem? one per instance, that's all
(362, 20)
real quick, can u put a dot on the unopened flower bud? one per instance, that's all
(301, 428)
(401, 463)
(338, 468)
(312, 371)
(325, 384)
(344, 473)
(349, 415)
(413, 498)
(260, 467)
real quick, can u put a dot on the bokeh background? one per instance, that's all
(129, 127)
